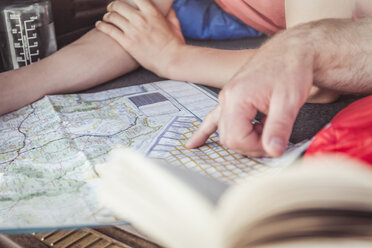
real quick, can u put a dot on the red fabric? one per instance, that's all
(349, 132)
(267, 16)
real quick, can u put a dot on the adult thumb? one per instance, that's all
(278, 126)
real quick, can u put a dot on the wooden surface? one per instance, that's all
(104, 237)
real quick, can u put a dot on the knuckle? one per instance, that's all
(154, 13)
(230, 90)
(141, 21)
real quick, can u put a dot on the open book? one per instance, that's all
(319, 203)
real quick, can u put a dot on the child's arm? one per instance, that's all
(154, 43)
(207, 66)
(87, 62)
(91, 60)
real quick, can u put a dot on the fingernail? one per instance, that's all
(188, 143)
(109, 6)
(277, 146)
(97, 23)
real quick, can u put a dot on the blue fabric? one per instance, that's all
(204, 19)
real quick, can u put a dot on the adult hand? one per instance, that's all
(276, 81)
(143, 32)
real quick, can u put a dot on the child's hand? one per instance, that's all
(144, 33)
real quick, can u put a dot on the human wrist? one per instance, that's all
(300, 41)
(324, 45)
(172, 59)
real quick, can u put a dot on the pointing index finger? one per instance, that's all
(208, 127)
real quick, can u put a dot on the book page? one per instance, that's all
(323, 197)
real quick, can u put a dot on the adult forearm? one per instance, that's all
(207, 66)
(343, 55)
(341, 51)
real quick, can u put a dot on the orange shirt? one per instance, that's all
(267, 16)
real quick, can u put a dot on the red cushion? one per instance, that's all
(349, 132)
